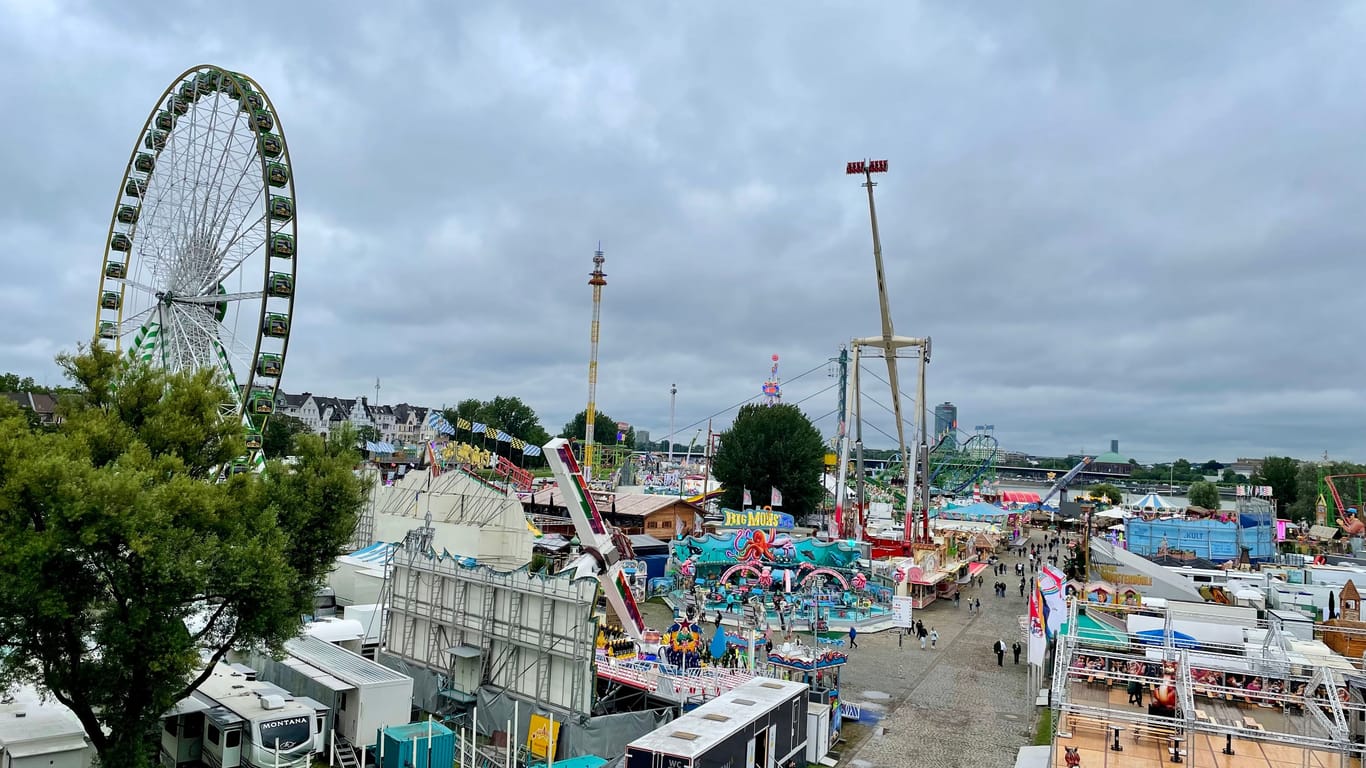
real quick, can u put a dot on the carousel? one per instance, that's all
(773, 580)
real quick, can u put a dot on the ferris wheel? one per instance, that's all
(199, 264)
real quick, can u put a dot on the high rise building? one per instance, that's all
(945, 419)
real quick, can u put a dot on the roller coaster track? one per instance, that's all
(952, 469)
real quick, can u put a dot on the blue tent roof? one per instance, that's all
(1156, 637)
(981, 511)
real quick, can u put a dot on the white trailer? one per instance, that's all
(38, 733)
(362, 695)
(761, 723)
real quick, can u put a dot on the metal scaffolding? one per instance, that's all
(1314, 700)
(534, 633)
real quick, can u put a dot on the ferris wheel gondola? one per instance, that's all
(199, 263)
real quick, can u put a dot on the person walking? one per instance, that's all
(934, 637)
(1000, 650)
(1015, 649)
(978, 602)
(1135, 689)
(923, 638)
(1022, 586)
(853, 637)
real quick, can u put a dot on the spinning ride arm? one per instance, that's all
(602, 546)
(1065, 480)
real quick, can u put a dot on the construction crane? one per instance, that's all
(597, 278)
(602, 547)
(1060, 486)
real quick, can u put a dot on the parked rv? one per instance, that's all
(234, 720)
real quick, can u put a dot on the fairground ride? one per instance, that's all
(603, 548)
(888, 344)
(955, 467)
(199, 262)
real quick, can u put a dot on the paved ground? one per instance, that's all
(948, 707)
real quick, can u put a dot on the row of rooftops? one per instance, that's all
(341, 407)
(40, 403)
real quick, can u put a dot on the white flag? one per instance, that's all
(746, 501)
(775, 496)
(1054, 606)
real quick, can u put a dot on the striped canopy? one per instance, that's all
(438, 422)
(1154, 502)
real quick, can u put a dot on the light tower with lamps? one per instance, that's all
(597, 278)
(673, 396)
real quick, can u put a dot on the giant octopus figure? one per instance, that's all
(757, 548)
(1352, 525)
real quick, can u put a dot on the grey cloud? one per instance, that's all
(1135, 222)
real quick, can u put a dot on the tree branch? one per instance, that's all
(208, 668)
(223, 606)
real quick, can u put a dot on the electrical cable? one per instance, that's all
(751, 399)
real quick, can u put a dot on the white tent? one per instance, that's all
(1155, 503)
(1112, 514)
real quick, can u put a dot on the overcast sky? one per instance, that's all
(1139, 221)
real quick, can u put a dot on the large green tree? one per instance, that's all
(604, 429)
(13, 382)
(1280, 472)
(278, 438)
(509, 414)
(772, 446)
(1107, 491)
(129, 561)
(1204, 494)
(1309, 484)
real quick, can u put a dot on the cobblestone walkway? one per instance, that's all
(947, 707)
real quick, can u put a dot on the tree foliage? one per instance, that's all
(1309, 484)
(1204, 494)
(1073, 563)
(13, 382)
(1281, 473)
(1107, 491)
(127, 562)
(508, 414)
(278, 438)
(604, 429)
(772, 446)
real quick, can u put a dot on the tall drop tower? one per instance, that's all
(597, 278)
